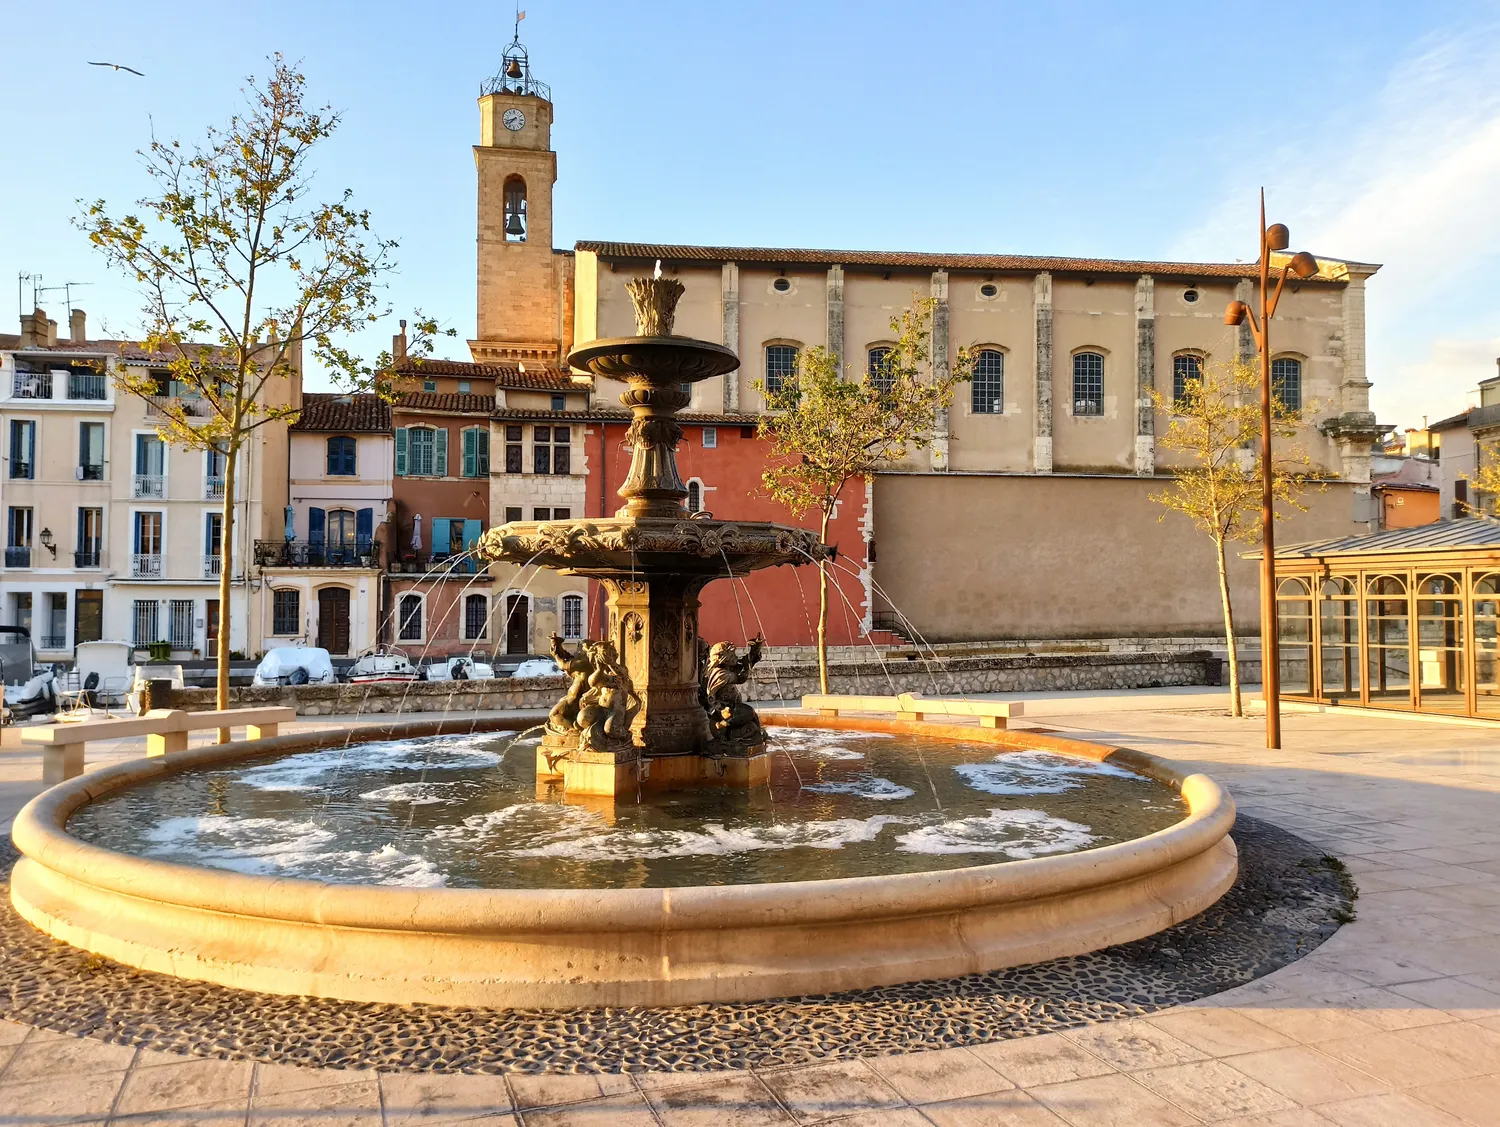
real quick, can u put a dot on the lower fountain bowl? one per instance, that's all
(619, 946)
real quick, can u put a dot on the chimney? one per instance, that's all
(51, 332)
(398, 345)
(33, 329)
(78, 326)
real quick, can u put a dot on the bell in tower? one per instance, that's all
(515, 210)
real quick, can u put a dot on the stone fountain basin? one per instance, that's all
(648, 546)
(592, 947)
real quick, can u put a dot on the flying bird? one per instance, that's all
(119, 66)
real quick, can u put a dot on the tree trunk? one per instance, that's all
(226, 565)
(823, 612)
(1235, 707)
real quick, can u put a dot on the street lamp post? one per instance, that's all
(1302, 265)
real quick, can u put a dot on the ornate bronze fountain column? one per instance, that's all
(652, 558)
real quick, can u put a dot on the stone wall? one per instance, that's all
(934, 677)
(994, 674)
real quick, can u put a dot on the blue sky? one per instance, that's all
(1097, 129)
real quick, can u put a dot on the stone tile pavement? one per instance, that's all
(1394, 1021)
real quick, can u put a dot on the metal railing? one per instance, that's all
(439, 565)
(52, 642)
(21, 471)
(32, 385)
(145, 566)
(172, 406)
(150, 485)
(89, 558)
(279, 553)
(213, 566)
(91, 473)
(213, 489)
(87, 385)
(18, 557)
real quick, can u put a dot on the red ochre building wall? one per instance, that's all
(780, 602)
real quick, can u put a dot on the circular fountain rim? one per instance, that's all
(40, 833)
(717, 355)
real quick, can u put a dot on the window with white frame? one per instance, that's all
(286, 611)
(22, 449)
(1088, 383)
(1187, 367)
(710, 438)
(1286, 382)
(409, 618)
(146, 617)
(572, 617)
(987, 391)
(180, 624)
(476, 616)
(781, 365)
(694, 496)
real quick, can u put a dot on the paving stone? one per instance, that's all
(1213, 1090)
(826, 1091)
(735, 1101)
(944, 1074)
(559, 1088)
(185, 1084)
(1396, 1058)
(1110, 1101)
(614, 1111)
(347, 1105)
(60, 1099)
(1219, 1032)
(1307, 1076)
(1393, 1109)
(998, 1109)
(1475, 1101)
(415, 1097)
(47, 1054)
(1131, 1045)
(1051, 1059)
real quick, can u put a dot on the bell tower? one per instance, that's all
(520, 280)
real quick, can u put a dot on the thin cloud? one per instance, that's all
(1412, 186)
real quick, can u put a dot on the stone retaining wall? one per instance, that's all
(1018, 674)
(933, 677)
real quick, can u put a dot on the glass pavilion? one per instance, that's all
(1403, 619)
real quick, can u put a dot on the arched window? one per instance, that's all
(286, 611)
(339, 528)
(476, 616)
(879, 371)
(1186, 368)
(515, 210)
(410, 618)
(1088, 383)
(781, 365)
(695, 496)
(1286, 382)
(987, 393)
(341, 461)
(572, 616)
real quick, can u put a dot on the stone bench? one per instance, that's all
(166, 730)
(909, 706)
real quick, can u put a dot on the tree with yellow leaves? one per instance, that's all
(1216, 424)
(826, 430)
(239, 269)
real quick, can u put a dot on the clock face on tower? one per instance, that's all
(514, 119)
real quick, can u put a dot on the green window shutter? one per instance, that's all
(440, 536)
(400, 451)
(471, 453)
(482, 438)
(440, 452)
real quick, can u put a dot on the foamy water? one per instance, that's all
(468, 812)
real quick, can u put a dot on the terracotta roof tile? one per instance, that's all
(545, 379)
(617, 415)
(329, 411)
(928, 261)
(447, 402)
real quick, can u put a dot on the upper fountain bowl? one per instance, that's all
(657, 361)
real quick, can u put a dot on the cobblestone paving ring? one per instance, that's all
(1289, 898)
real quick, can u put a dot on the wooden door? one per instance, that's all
(517, 624)
(333, 619)
(211, 629)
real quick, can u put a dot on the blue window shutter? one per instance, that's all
(364, 529)
(291, 524)
(315, 527)
(440, 452)
(440, 536)
(470, 452)
(471, 535)
(400, 451)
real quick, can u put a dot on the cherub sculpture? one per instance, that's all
(563, 719)
(609, 703)
(731, 721)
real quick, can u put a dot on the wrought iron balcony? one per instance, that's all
(213, 488)
(32, 385)
(18, 557)
(91, 473)
(88, 558)
(150, 485)
(213, 566)
(87, 385)
(438, 566)
(145, 566)
(280, 553)
(21, 471)
(52, 642)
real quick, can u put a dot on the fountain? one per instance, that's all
(662, 844)
(652, 704)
